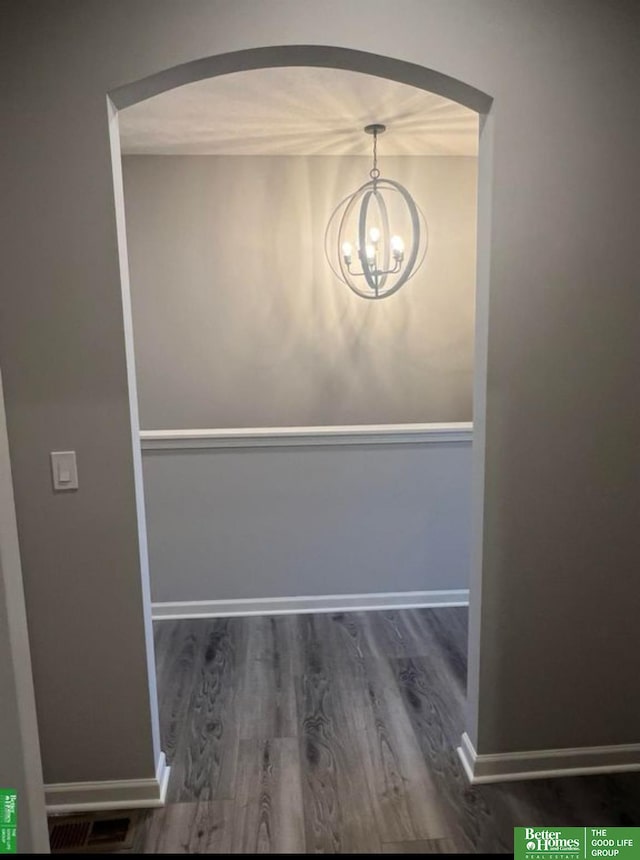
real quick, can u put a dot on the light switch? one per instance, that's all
(64, 470)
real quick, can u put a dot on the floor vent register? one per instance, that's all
(92, 832)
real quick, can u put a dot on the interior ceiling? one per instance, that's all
(297, 111)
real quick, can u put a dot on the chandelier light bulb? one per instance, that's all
(383, 262)
(397, 247)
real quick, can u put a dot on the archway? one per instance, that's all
(379, 66)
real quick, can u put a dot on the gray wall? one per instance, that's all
(287, 522)
(239, 322)
(558, 270)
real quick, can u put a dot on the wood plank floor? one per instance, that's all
(337, 734)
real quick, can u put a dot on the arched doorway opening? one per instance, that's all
(384, 67)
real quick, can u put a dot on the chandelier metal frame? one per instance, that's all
(381, 255)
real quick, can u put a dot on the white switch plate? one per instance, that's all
(64, 470)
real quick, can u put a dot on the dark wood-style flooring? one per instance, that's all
(338, 734)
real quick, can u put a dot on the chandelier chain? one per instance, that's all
(374, 173)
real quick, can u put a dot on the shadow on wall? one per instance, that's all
(239, 321)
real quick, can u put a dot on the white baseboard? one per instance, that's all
(296, 605)
(546, 764)
(68, 797)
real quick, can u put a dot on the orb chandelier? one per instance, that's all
(360, 246)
